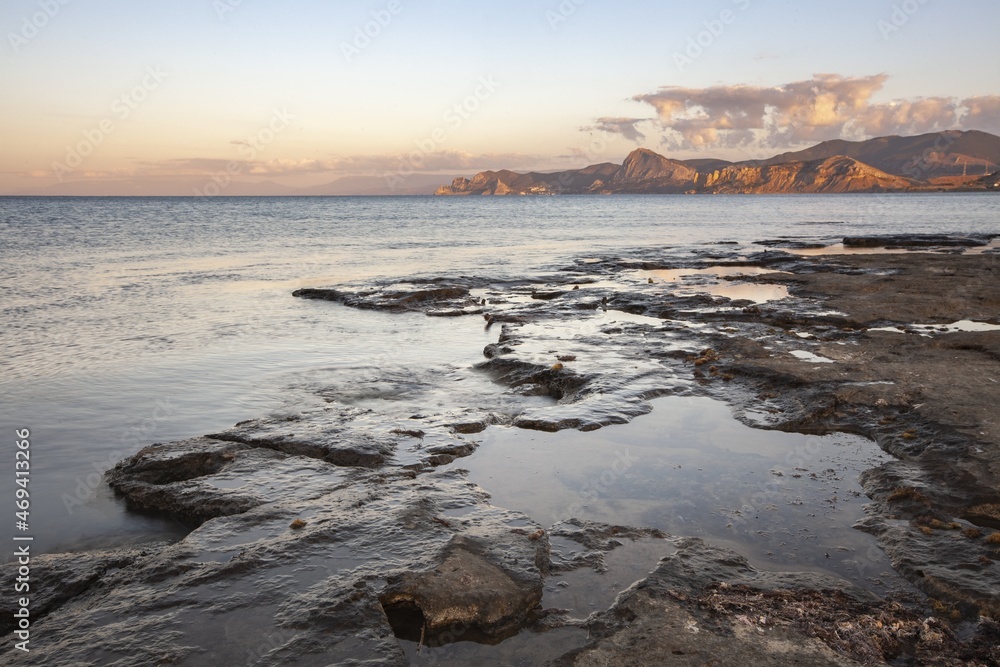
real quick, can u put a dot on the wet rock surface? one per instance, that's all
(915, 241)
(75, 574)
(924, 398)
(308, 591)
(345, 534)
(706, 605)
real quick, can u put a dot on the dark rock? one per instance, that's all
(534, 379)
(547, 296)
(915, 241)
(249, 588)
(469, 588)
(706, 605)
(328, 437)
(441, 299)
(172, 478)
(56, 579)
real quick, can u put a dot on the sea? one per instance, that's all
(130, 321)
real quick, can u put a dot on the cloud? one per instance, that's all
(623, 126)
(982, 113)
(417, 161)
(931, 114)
(437, 161)
(827, 106)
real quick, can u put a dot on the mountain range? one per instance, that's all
(937, 161)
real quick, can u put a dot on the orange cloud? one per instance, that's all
(828, 106)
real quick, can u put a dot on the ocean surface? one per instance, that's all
(129, 321)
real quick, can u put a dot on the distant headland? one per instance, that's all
(951, 160)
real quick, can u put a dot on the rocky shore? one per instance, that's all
(346, 535)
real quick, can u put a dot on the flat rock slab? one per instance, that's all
(317, 530)
(468, 590)
(202, 478)
(308, 594)
(707, 605)
(328, 436)
(916, 241)
(440, 299)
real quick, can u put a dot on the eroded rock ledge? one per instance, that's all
(707, 605)
(326, 536)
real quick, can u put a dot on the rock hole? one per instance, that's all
(407, 621)
(408, 624)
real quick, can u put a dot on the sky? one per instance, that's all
(195, 96)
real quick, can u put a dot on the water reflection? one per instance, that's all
(689, 468)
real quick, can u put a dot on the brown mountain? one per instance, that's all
(651, 172)
(920, 157)
(835, 174)
(643, 170)
(506, 182)
(818, 169)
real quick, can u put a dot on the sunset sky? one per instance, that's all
(162, 97)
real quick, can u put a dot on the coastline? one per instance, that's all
(344, 472)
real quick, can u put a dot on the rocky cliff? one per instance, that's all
(835, 174)
(644, 171)
(936, 161)
(925, 156)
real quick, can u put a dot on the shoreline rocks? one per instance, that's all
(334, 534)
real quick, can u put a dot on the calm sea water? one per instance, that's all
(128, 321)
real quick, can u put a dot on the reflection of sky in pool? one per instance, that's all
(707, 280)
(785, 500)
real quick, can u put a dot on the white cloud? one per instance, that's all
(827, 106)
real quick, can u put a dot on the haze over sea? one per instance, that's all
(129, 321)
